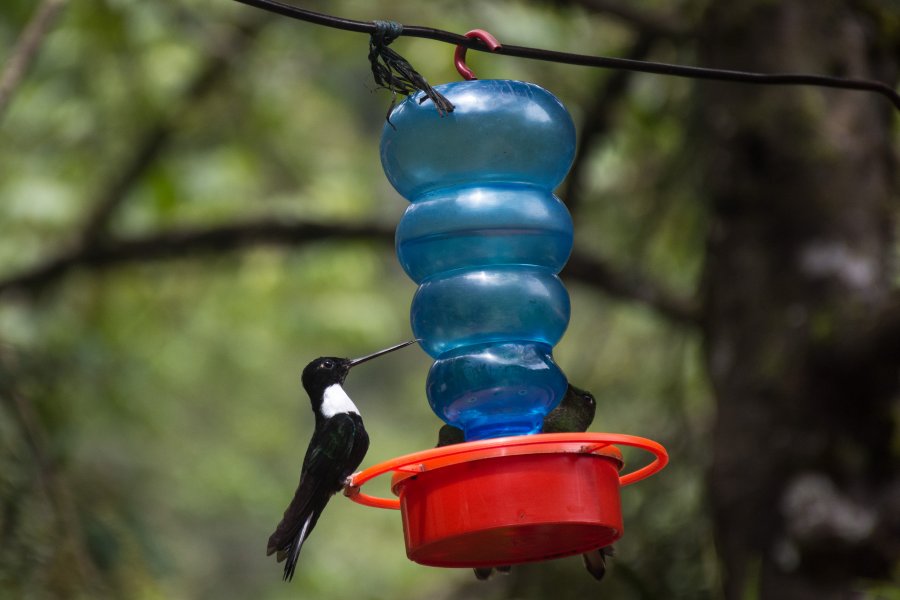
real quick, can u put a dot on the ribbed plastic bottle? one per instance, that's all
(484, 237)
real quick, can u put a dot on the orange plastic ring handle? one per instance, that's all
(434, 458)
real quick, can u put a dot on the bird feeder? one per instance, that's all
(484, 238)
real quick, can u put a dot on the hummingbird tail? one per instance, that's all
(595, 561)
(297, 544)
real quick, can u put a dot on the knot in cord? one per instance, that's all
(386, 32)
(393, 72)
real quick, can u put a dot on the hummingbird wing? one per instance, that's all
(337, 447)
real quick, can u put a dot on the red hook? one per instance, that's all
(459, 57)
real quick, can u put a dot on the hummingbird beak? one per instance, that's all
(363, 359)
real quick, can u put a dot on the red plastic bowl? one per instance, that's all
(509, 500)
(510, 509)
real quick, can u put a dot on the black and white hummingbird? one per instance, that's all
(338, 445)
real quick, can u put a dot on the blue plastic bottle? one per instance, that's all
(484, 237)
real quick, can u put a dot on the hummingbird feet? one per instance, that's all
(350, 490)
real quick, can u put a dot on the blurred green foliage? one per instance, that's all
(152, 424)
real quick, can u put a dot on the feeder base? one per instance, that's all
(511, 509)
(509, 500)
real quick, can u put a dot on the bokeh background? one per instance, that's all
(192, 207)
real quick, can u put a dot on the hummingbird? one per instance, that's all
(574, 413)
(338, 445)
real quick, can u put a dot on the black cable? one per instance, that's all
(642, 66)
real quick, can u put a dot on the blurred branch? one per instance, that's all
(149, 147)
(598, 122)
(94, 249)
(593, 271)
(183, 243)
(26, 49)
(632, 286)
(179, 243)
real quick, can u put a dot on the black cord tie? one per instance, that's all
(394, 72)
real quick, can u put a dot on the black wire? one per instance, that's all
(642, 66)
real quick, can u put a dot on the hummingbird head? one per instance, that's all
(326, 371)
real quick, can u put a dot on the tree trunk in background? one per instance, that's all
(802, 183)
